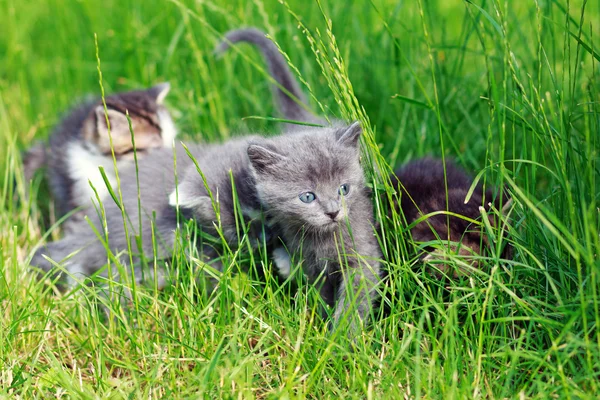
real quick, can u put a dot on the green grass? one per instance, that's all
(507, 88)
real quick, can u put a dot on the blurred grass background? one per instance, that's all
(507, 88)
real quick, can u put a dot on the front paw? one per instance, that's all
(282, 261)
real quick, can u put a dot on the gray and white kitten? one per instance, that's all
(80, 144)
(310, 184)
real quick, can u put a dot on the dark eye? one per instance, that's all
(307, 197)
(131, 151)
(344, 189)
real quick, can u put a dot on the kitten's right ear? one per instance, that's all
(160, 91)
(350, 135)
(119, 125)
(263, 159)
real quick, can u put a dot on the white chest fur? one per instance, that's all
(83, 170)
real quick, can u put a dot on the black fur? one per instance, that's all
(421, 187)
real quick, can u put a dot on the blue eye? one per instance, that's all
(344, 189)
(307, 197)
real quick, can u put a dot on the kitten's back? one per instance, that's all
(157, 179)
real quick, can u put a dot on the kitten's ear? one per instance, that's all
(160, 91)
(350, 135)
(507, 206)
(119, 126)
(263, 159)
(503, 202)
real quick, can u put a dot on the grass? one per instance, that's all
(508, 89)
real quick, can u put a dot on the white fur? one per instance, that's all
(179, 198)
(167, 127)
(173, 199)
(165, 88)
(176, 198)
(76, 273)
(282, 262)
(83, 167)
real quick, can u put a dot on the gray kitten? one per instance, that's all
(289, 98)
(291, 104)
(420, 182)
(316, 194)
(80, 144)
(309, 184)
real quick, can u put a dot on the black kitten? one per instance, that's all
(422, 190)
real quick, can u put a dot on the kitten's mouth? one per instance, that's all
(331, 224)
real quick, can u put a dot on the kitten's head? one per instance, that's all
(310, 179)
(151, 122)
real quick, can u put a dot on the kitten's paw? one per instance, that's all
(282, 262)
(39, 261)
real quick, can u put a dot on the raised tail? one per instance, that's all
(290, 100)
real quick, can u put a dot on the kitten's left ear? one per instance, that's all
(350, 135)
(160, 91)
(262, 159)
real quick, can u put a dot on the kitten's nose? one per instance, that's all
(333, 214)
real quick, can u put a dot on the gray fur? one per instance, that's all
(332, 228)
(34, 159)
(269, 174)
(157, 183)
(289, 98)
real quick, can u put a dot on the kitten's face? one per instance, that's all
(152, 124)
(309, 180)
